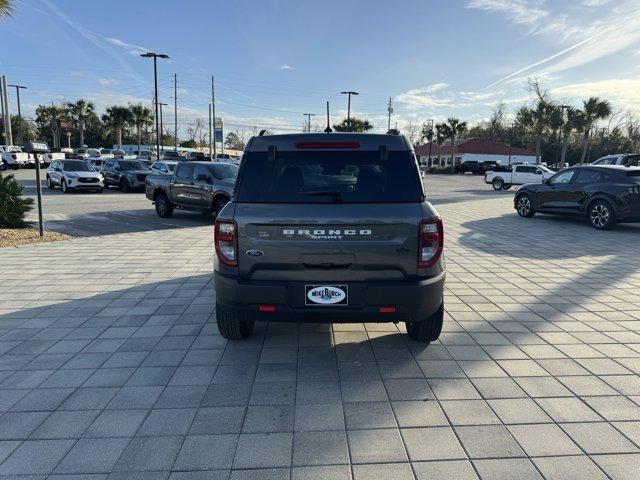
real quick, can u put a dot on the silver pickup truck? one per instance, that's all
(330, 227)
(200, 186)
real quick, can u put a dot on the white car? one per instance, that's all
(517, 175)
(73, 175)
(164, 166)
(625, 159)
(14, 158)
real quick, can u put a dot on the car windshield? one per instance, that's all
(75, 166)
(171, 166)
(227, 171)
(133, 165)
(325, 177)
(15, 149)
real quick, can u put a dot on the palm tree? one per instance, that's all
(6, 8)
(428, 134)
(78, 112)
(51, 116)
(116, 118)
(141, 117)
(593, 110)
(454, 128)
(442, 133)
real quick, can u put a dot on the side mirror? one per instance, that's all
(538, 172)
(545, 181)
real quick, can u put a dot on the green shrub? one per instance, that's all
(12, 207)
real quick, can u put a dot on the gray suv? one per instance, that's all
(330, 227)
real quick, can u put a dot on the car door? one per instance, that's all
(182, 184)
(552, 196)
(580, 187)
(204, 186)
(521, 175)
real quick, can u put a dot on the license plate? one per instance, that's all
(326, 295)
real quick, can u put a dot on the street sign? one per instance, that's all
(218, 126)
(34, 147)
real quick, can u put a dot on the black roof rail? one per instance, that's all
(393, 131)
(264, 132)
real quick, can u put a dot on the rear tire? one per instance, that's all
(497, 184)
(601, 215)
(164, 208)
(232, 324)
(218, 204)
(428, 330)
(124, 185)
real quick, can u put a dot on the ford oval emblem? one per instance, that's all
(254, 253)
(326, 295)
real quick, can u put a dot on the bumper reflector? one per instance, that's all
(387, 309)
(267, 308)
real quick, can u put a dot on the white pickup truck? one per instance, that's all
(517, 175)
(14, 158)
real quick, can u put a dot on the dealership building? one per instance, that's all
(466, 149)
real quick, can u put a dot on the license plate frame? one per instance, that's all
(343, 302)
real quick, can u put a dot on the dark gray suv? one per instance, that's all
(330, 227)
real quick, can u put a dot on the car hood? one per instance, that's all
(85, 174)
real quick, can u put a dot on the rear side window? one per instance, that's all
(330, 176)
(588, 176)
(185, 171)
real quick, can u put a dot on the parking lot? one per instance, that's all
(111, 365)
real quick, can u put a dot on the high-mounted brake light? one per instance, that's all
(430, 242)
(327, 144)
(226, 242)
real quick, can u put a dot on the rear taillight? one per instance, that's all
(226, 242)
(430, 242)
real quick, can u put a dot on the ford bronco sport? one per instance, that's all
(330, 227)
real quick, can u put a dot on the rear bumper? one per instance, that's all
(413, 300)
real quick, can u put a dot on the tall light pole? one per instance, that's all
(431, 142)
(349, 93)
(309, 115)
(162, 125)
(18, 88)
(175, 110)
(560, 131)
(155, 57)
(389, 111)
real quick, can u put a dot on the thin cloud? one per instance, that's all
(520, 11)
(286, 67)
(129, 47)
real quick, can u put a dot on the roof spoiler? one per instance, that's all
(264, 133)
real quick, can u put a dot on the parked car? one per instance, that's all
(624, 159)
(172, 155)
(81, 153)
(95, 163)
(54, 154)
(128, 175)
(73, 175)
(118, 153)
(472, 166)
(604, 195)
(518, 175)
(13, 157)
(200, 186)
(163, 167)
(196, 157)
(145, 155)
(329, 228)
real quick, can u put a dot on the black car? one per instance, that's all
(604, 195)
(128, 175)
(468, 166)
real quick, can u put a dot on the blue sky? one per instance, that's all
(274, 60)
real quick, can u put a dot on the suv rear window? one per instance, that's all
(330, 176)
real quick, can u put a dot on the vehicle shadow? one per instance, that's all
(547, 237)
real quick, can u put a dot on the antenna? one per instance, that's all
(328, 129)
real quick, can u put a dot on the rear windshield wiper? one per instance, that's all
(335, 195)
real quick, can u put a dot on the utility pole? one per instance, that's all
(210, 136)
(213, 113)
(175, 110)
(4, 117)
(162, 125)
(510, 141)
(155, 92)
(18, 88)
(309, 115)
(7, 114)
(349, 93)
(560, 131)
(390, 111)
(431, 142)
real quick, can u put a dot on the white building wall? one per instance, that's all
(503, 159)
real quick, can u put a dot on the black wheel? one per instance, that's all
(15, 167)
(601, 215)
(50, 184)
(4, 165)
(506, 186)
(428, 330)
(524, 206)
(124, 185)
(64, 186)
(164, 208)
(218, 204)
(497, 184)
(232, 324)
